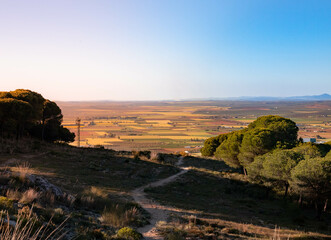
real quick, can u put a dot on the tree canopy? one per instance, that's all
(239, 148)
(228, 150)
(285, 131)
(24, 112)
(257, 141)
(212, 143)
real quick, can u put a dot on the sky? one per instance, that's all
(75, 50)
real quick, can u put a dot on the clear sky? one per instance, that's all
(165, 49)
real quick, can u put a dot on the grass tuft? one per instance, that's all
(119, 217)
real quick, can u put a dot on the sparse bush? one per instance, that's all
(145, 154)
(129, 234)
(119, 216)
(154, 156)
(157, 157)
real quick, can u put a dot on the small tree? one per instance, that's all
(278, 165)
(255, 142)
(255, 169)
(211, 144)
(312, 178)
(229, 149)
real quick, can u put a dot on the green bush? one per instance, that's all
(129, 234)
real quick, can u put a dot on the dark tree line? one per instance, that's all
(27, 113)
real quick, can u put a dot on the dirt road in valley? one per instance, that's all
(157, 211)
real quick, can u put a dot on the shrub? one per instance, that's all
(146, 154)
(129, 234)
(158, 157)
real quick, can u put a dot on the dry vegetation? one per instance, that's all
(95, 187)
(90, 186)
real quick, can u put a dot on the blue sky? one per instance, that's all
(170, 49)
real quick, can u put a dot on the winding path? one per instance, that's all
(157, 211)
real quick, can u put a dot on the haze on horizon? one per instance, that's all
(156, 50)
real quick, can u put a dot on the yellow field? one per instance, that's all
(178, 126)
(102, 141)
(158, 137)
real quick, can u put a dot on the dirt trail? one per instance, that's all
(157, 211)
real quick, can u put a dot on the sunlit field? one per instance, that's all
(183, 126)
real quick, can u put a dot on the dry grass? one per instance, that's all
(25, 228)
(119, 217)
(23, 170)
(154, 156)
(13, 194)
(29, 196)
(97, 192)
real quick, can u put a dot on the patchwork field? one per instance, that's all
(183, 126)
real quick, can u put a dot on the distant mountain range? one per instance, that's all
(322, 97)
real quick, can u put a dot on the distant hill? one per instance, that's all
(322, 97)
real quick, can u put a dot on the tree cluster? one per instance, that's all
(24, 112)
(239, 148)
(270, 153)
(305, 169)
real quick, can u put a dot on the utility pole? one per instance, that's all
(78, 131)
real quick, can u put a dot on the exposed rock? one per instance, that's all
(44, 185)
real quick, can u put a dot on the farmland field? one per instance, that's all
(177, 126)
